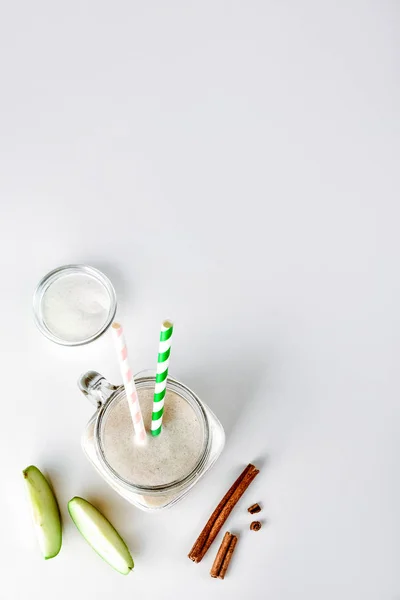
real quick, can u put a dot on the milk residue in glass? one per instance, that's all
(75, 307)
(162, 459)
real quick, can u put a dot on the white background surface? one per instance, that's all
(232, 166)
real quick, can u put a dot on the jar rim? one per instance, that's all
(189, 396)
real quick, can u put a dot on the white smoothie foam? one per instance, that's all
(162, 459)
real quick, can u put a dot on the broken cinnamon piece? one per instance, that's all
(228, 557)
(255, 526)
(254, 508)
(221, 513)
(219, 559)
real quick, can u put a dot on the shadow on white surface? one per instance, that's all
(229, 388)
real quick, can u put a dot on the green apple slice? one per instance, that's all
(45, 511)
(101, 535)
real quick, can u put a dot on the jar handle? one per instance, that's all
(96, 387)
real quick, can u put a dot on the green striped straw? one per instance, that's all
(164, 351)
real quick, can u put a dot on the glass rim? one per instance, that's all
(50, 278)
(189, 396)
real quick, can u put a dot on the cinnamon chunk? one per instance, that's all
(255, 526)
(228, 557)
(224, 556)
(219, 559)
(254, 508)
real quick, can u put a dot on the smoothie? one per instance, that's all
(161, 460)
(152, 475)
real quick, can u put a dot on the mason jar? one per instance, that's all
(148, 477)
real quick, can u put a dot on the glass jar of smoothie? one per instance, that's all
(159, 473)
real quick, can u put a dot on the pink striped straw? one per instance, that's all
(129, 382)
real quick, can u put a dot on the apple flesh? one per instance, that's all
(101, 535)
(45, 511)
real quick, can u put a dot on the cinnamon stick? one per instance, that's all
(221, 513)
(226, 511)
(228, 557)
(199, 543)
(219, 559)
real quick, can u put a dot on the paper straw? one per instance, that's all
(129, 382)
(164, 351)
